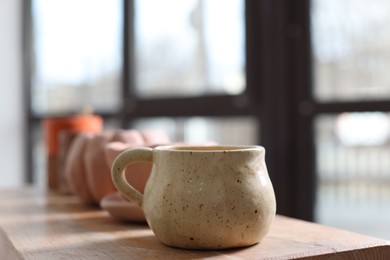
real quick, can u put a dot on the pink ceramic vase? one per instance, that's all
(74, 169)
(88, 164)
(99, 182)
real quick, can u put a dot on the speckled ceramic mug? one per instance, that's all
(202, 197)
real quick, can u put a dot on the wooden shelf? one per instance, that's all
(39, 225)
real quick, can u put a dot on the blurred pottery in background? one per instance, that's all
(88, 165)
(98, 181)
(121, 208)
(65, 140)
(74, 168)
(52, 130)
(137, 174)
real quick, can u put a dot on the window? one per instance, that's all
(174, 65)
(193, 49)
(352, 91)
(226, 71)
(77, 56)
(350, 47)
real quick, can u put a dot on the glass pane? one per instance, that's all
(241, 130)
(351, 49)
(189, 47)
(77, 48)
(353, 169)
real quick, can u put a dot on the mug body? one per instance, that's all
(209, 197)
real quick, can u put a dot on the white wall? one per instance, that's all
(11, 117)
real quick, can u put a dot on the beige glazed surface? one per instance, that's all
(203, 197)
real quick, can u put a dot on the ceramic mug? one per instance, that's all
(202, 197)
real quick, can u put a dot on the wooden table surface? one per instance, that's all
(39, 225)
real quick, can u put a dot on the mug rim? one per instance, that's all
(208, 148)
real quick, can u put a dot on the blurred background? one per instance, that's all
(306, 79)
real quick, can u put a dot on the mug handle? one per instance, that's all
(118, 168)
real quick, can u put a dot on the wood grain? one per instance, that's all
(39, 225)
